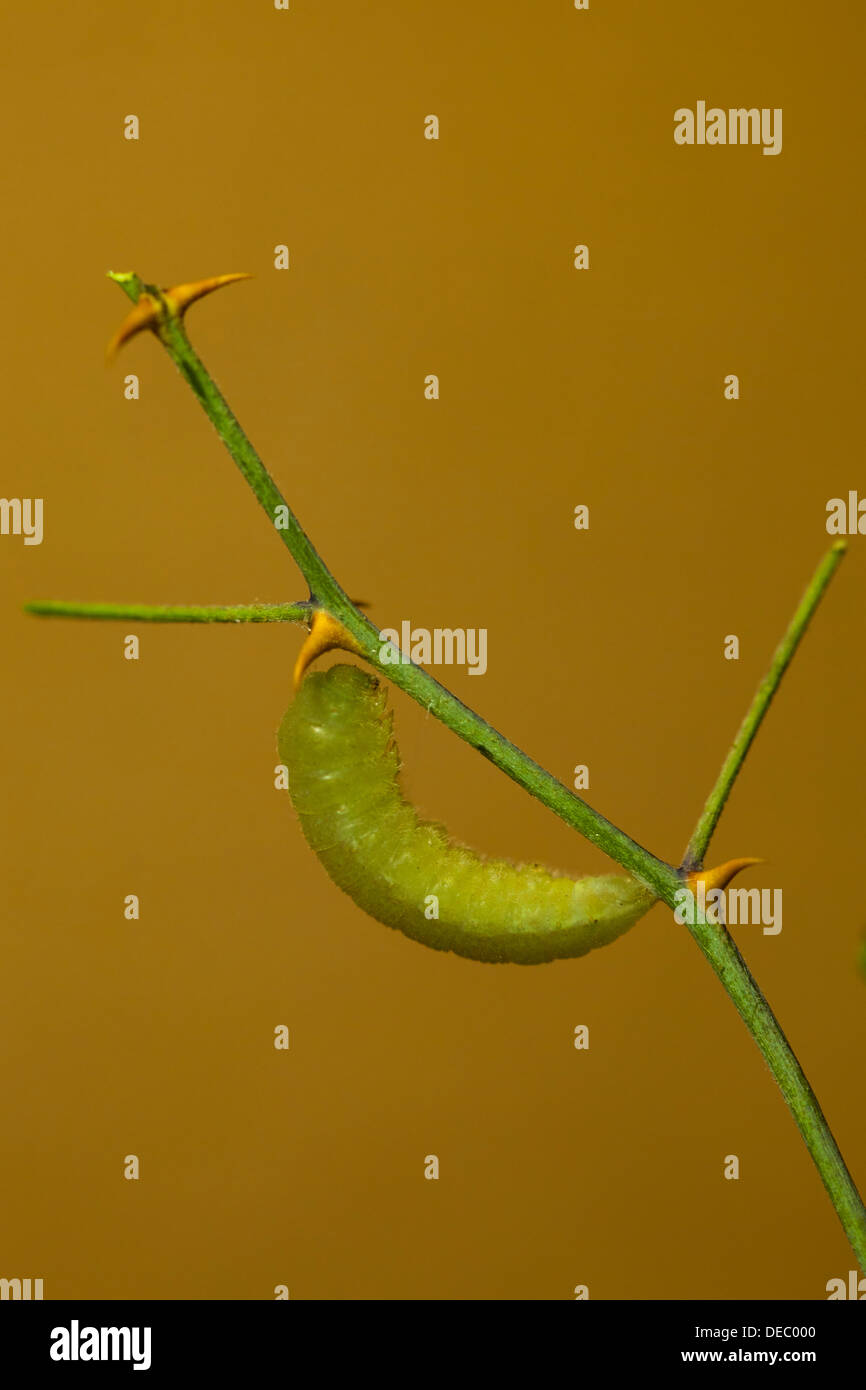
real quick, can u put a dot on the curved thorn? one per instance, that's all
(144, 315)
(721, 875)
(325, 635)
(181, 296)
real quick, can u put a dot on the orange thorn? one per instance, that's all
(182, 296)
(721, 876)
(146, 313)
(325, 635)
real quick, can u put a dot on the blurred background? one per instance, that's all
(557, 387)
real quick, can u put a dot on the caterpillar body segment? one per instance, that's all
(336, 740)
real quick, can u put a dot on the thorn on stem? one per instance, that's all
(326, 634)
(721, 875)
(182, 296)
(149, 310)
(144, 315)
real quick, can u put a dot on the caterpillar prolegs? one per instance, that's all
(336, 740)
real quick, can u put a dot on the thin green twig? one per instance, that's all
(172, 613)
(721, 951)
(782, 656)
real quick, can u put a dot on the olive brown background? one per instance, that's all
(258, 127)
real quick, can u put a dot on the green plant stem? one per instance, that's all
(721, 951)
(173, 613)
(327, 593)
(714, 941)
(782, 656)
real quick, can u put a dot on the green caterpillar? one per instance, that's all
(335, 739)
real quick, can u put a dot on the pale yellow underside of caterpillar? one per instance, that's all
(344, 781)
